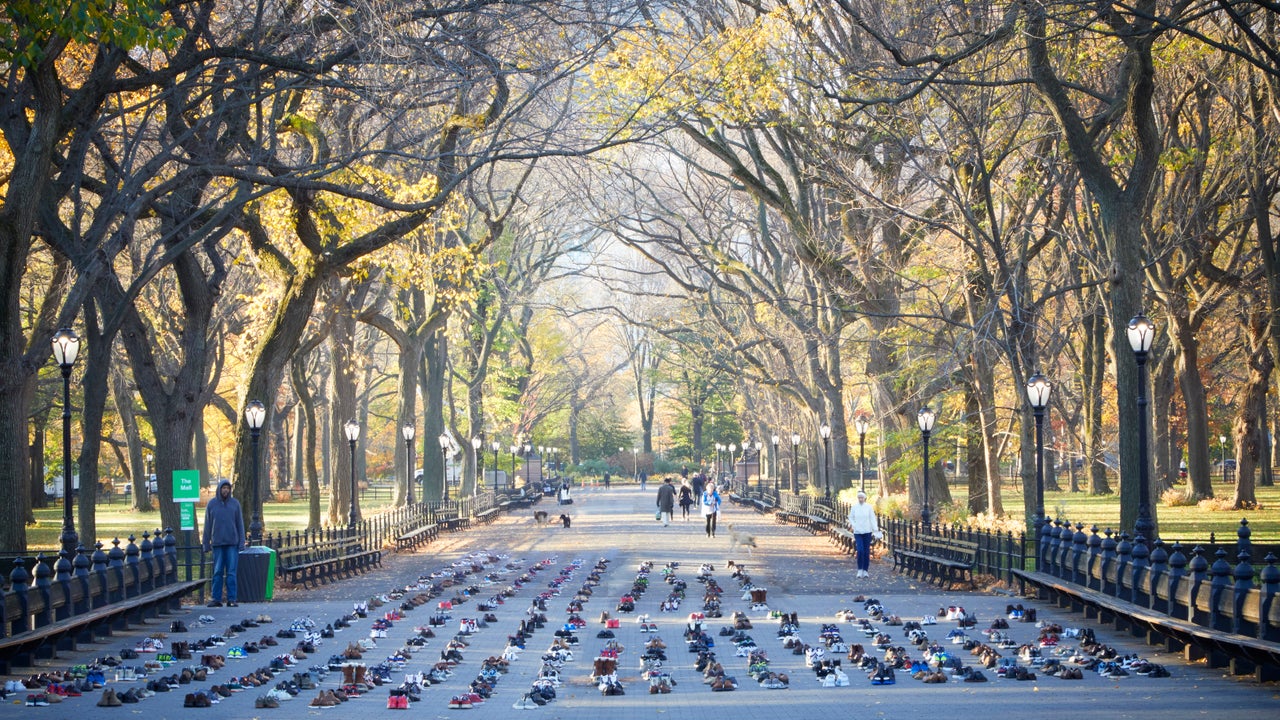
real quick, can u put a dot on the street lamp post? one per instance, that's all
(1222, 446)
(66, 345)
(444, 463)
(1141, 332)
(255, 413)
(635, 463)
(774, 465)
(353, 434)
(719, 467)
(861, 425)
(514, 449)
(1038, 390)
(925, 419)
(795, 455)
(825, 432)
(408, 431)
(476, 443)
(759, 469)
(733, 462)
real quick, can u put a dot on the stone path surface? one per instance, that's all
(801, 573)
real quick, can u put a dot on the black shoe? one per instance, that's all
(215, 603)
(233, 603)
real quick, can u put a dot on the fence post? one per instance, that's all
(1062, 561)
(1109, 545)
(1091, 574)
(146, 560)
(81, 573)
(43, 588)
(171, 556)
(99, 576)
(1221, 582)
(1124, 556)
(1079, 556)
(134, 577)
(1243, 586)
(1159, 567)
(19, 581)
(62, 576)
(1138, 571)
(1270, 578)
(115, 557)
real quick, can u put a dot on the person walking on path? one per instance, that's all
(224, 536)
(865, 526)
(666, 501)
(686, 499)
(699, 482)
(710, 508)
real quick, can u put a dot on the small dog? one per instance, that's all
(540, 517)
(737, 538)
(566, 520)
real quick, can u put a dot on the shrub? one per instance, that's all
(1174, 497)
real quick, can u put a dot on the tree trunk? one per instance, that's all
(434, 361)
(309, 427)
(1094, 359)
(1166, 467)
(94, 384)
(1249, 423)
(976, 452)
(122, 396)
(1187, 368)
(344, 494)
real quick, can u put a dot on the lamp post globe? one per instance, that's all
(352, 429)
(825, 432)
(1141, 332)
(925, 419)
(1038, 391)
(255, 414)
(66, 346)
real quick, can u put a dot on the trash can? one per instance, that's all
(256, 574)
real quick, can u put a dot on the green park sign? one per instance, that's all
(186, 486)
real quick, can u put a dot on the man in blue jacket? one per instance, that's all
(224, 536)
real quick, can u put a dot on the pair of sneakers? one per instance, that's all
(863, 574)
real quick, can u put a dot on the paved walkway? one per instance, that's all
(802, 574)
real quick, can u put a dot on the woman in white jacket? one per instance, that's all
(863, 523)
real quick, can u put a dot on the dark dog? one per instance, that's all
(566, 520)
(540, 517)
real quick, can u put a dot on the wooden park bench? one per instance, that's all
(843, 538)
(937, 558)
(414, 537)
(320, 562)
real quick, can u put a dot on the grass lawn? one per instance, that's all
(117, 519)
(1193, 522)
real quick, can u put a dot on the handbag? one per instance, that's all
(657, 515)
